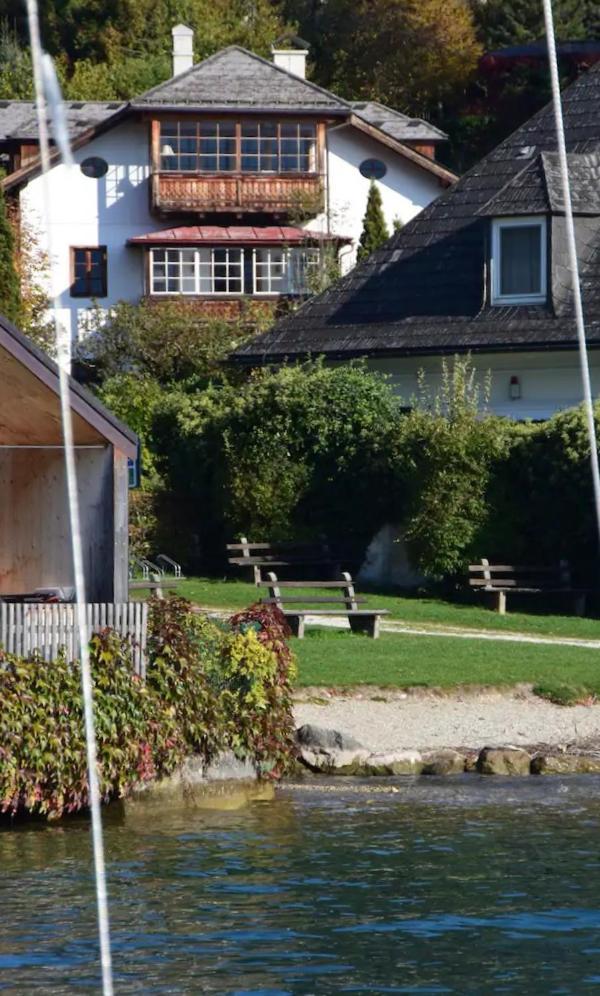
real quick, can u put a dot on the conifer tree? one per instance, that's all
(10, 292)
(375, 231)
(516, 22)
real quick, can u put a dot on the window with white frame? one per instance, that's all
(232, 270)
(238, 146)
(519, 260)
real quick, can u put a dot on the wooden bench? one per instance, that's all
(361, 620)
(502, 579)
(259, 556)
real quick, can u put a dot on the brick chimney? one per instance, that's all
(183, 48)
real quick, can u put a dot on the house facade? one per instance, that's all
(233, 181)
(481, 271)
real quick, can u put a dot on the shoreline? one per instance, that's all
(384, 719)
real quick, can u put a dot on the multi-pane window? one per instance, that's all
(198, 147)
(519, 261)
(232, 270)
(88, 272)
(234, 146)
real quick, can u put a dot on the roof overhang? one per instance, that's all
(445, 176)
(273, 110)
(33, 168)
(83, 404)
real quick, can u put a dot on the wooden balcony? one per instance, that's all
(181, 193)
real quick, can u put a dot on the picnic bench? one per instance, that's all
(502, 579)
(361, 620)
(258, 556)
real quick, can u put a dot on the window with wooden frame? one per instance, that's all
(238, 146)
(88, 271)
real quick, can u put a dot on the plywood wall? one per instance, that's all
(34, 521)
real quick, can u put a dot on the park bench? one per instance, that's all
(502, 579)
(361, 620)
(259, 556)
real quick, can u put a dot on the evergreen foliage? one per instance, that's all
(10, 292)
(516, 22)
(375, 231)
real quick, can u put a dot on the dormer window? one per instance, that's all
(518, 263)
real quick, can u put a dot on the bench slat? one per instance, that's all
(519, 569)
(302, 584)
(311, 601)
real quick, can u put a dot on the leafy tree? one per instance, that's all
(375, 231)
(10, 296)
(166, 341)
(410, 54)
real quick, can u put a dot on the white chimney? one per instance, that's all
(292, 59)
(183, 48)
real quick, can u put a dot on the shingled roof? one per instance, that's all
(396, 124)
(18, 118)
(424, 290)
(235, 77)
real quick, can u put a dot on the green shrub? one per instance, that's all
(291, 453)
(207, 688)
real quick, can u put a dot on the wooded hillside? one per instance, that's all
(420, 56)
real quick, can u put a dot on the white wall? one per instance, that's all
(405, 189)
(93, 212)
(549, 381)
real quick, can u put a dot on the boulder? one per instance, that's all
(503, 761)
(443, 762)
(329, 751)
(565, 764)
(399, 762)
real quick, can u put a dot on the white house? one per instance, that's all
(223, 184)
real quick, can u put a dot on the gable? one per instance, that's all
(235, 77)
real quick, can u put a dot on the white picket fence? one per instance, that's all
(45, 629)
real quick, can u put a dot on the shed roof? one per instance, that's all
(30, 405)
(212, 235)
(424, 290)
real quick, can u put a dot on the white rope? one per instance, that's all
(572, 249)
(47, 92)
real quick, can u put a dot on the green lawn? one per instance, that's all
(429, 612)
(340, 658)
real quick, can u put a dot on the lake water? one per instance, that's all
(457, 886)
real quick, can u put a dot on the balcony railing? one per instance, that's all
(180, 193)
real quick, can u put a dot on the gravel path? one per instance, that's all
(426, 720)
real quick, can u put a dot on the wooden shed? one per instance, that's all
(35, 549)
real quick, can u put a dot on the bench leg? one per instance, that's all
(296, 624)
(500, 600)
(365, 624)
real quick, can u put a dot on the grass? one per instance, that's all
(342, 659)
(413, 611)
(338, 658)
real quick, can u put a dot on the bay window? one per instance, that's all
(232, 270)
(519, 254)
(238, 146)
